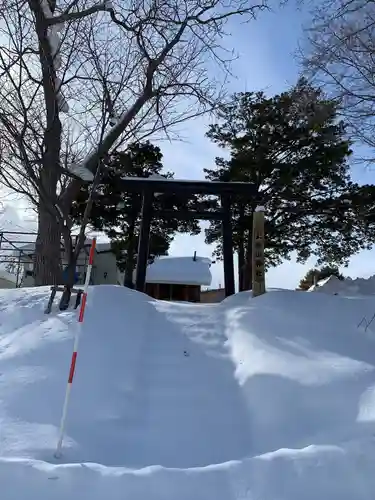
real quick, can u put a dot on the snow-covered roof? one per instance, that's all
(101, 246)
(5, 275)
(81, 171)
(180, 271)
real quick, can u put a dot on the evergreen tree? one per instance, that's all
(315, 275)
(117, 212)
(294, 151)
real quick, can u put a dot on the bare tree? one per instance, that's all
(39, 69)
(79, 78)
(340, 55)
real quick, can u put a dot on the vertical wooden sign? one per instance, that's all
(258, 274)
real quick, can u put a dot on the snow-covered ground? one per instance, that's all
(270, 398)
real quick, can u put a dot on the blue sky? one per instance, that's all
(266, 50)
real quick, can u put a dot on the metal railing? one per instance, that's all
(13, 252)
(17, 253)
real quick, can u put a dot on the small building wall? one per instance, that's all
(105, 269)
(27, 279)
(174, 292)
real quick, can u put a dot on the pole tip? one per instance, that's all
(260, 208)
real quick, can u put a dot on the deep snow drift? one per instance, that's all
(269, 399)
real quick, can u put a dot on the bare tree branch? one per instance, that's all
(74, 16)
(339, 53)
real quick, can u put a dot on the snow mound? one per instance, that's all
(348, 287)
(270, 398)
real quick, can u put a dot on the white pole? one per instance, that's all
(75, 350)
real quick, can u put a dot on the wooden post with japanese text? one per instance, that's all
(258, 274)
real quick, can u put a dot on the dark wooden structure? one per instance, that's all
(212, 296)
(173, 291)
(225, 190)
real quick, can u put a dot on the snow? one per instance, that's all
(271, 398)
(155, 177)
(63, 104)
(81, 171)
(46, 8)
(55, 42)
(260, 209)
(348, 287)
(180, 270)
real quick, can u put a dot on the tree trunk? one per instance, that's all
(47, 263)
(71, 259)
(47, 259)
(70, 270)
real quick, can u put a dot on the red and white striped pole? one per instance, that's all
(75, 348)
